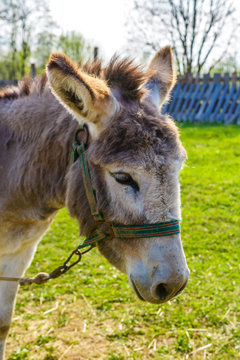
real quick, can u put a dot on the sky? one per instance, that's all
(99, 21)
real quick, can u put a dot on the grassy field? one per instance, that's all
(91, 313)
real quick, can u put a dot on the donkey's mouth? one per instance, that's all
(136, 290)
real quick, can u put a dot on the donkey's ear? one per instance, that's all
(162, 78)
(88, 98)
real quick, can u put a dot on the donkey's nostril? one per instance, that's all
(161, 292)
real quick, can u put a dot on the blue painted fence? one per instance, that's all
(206, 99)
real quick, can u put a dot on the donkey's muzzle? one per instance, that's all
(160, 291)
(161, 274)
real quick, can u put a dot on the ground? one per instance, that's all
(91, 312)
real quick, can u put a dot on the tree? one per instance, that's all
(70, 43)
(3, 10)
(228, 65)
(22, 20)
(74, 45)
(29, 31)
(197, 29)
(46, 43)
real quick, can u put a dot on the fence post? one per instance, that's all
(33, 70)
(95, 53)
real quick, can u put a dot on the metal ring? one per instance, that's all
(86, 132)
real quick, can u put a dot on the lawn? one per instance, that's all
(91, 312)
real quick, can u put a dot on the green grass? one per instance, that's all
(91, 312)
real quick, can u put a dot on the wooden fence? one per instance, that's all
(4, 83)
(206, 99)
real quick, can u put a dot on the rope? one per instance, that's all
(39, 279)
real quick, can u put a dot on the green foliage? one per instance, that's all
(91, 312)
(229, 65)
(45, 45)
(74, 46)
(11, 65)
(70, 43)
(23, 21)
(24, 42)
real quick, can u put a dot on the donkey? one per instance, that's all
(134, 155)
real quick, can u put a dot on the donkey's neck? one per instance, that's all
(37, 141)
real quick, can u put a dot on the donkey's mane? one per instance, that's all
(25, 87)
(121, 74)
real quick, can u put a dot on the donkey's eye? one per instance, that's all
(125, 179)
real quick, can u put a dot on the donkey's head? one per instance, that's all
(135, 156)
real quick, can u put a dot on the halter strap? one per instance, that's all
(107, 230)
(90, 192)
(147, 230)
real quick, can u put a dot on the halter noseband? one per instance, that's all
(107, 230)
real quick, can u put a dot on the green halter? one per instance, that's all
(107, 230)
